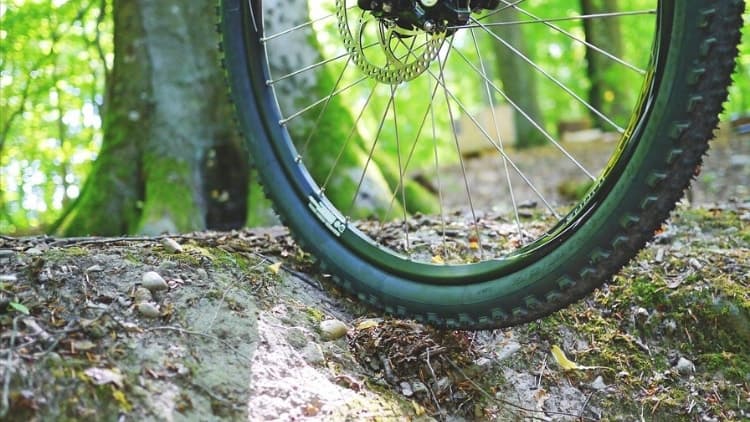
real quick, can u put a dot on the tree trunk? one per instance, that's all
(606, 94)
(166, 122)
(518, 78)
(170, 160)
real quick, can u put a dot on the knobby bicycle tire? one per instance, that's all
(693, 58)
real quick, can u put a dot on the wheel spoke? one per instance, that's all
(371, 154)
(349, 138)
(448, 96)
(394, 194)
(407, 245)
(488, 137)
(576, 39)
(299, 27)
(557, 82)
(437, 168)
(565, 19)
(507, 6)
(513, 104)
(322, 113)
(293, 116)
(495, 123)
(315, 66)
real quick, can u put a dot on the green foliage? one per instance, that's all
(739, 93)
(53, 60)
(20, 307)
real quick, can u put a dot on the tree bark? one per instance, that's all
(166, 116)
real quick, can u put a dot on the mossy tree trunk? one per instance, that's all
(169, 158)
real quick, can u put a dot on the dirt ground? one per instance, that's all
(239, 326)
(242, 326)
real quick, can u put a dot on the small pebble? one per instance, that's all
(670, 326)
(419, 387)
(148, 310)
(154, 282)
(406, 389)
(695, 264)
(479, 411)
(94, 269)
(685, 366)
(172, 245)
(202, 274)
(598, 384)
(6, 253)
(641, 315)
(142, 295)
(333, 329)
(33, 251)
(508, 350)
(483, 362)
(54, 359)
(444, 383)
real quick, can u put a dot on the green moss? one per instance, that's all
(314, 314)
(259, 209)
(574, 190)
(67, 252)
(171, 198)
(731, 365)
(650, 291)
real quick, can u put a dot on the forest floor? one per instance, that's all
(725, 175)
(240, 325)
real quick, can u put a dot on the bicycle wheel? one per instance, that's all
(357, 119)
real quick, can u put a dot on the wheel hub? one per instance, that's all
(394, 41)
(427, 15)
(384, 49)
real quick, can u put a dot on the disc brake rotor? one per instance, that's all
(383, 50)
